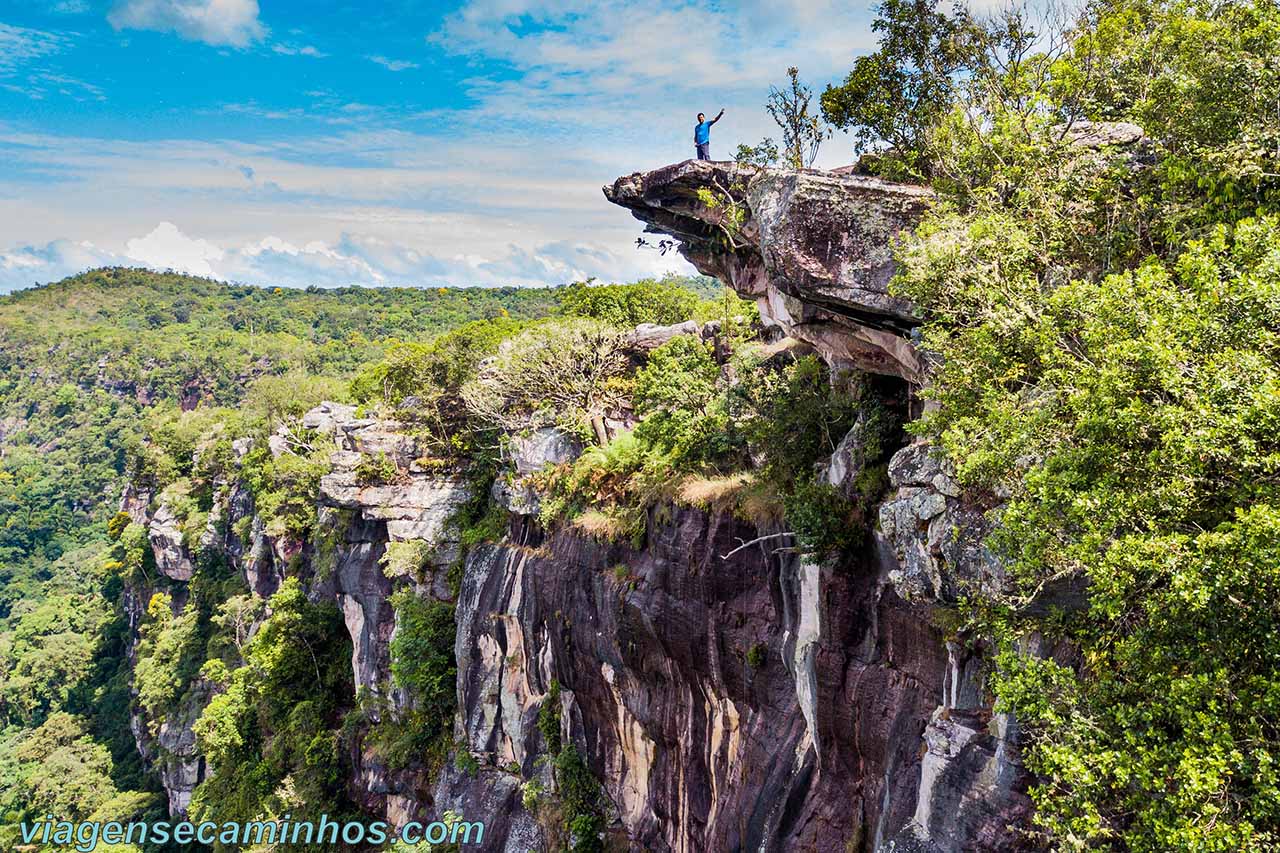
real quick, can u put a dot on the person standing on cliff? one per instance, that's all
(702, 135)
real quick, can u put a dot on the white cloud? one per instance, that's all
(19, 45)
(353, 259)
(168, 248)
(393, 64)
(604, 74)
(298, 50)
(24, 71)
(25, 266)
(608, 46)
(233, 23)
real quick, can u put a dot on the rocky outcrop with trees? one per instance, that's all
(949, 524)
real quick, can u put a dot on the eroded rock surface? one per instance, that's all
(679, 675)
(936, 532)
(813, 248)
(171, 554)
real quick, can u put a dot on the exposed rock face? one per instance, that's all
(415, 507)
(171, 752)
(358, 522)
(529, 454)
(648, 336)
(813, 248)
(181, 766)
(936, 532)
(165, 534)
(758, 702)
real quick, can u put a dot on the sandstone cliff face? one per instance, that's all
(815, 251)
(755, 702)
(726, 698)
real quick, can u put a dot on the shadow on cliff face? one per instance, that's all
(728, 698)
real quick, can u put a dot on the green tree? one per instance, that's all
(562, 373)
(896, 95)
(661, 301)
(802, 131)
(271, 737)
(763, 154)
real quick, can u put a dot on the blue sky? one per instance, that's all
(393, 143)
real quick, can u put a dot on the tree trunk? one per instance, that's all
(602, 434)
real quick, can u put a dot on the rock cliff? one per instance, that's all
(725, 697)
(813, 248)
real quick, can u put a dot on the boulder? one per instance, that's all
(529, 454)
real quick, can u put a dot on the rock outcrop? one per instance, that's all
(358, 520)
(814, 249)
(725, 697)
(171, 555)
(936, 532)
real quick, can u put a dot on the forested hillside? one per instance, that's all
(92, 370)
(81, 359)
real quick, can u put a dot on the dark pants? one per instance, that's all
(704, 150)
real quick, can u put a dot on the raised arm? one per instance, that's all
(719, 116)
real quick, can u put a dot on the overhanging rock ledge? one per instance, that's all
(813, 248)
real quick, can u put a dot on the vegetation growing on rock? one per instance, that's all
(1104, 321)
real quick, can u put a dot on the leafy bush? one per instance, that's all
(678, 394)
(422, 654)
(170, 653)
(582, 799)
(406, 559)
(1139, 460)
(432, 375)
(279, 718)
(376, 470)
(549, 719)
(284, 488)
(822, 518)
(564, 374)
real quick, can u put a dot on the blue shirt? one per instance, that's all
(702, 133)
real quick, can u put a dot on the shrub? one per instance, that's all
(405, 559)
(279, 717)
(422, 659)
(558, 374)
(549, 719)
(170, 652)
(376, 470)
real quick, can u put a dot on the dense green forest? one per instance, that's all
(1106, 327)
